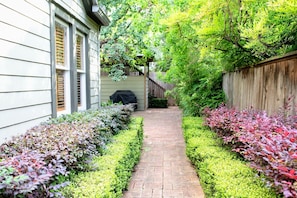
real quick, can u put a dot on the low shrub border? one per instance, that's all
(114, 168)
(268, 142)
(221, 172)
(37, 163)
(158, 103)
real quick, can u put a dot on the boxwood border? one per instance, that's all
(222, 173)
(114, 168)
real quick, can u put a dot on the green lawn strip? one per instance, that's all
(222, 173)
(113, 169)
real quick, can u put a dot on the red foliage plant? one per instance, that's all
(268, 142)
(32, 161)
(24, 173)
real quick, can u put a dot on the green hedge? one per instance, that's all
(158, 103)
(114, 168)
(222, 173)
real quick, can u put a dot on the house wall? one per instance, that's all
(25, 65)
(137, 84)
(26, 61)
(77, 11)
(267, 86)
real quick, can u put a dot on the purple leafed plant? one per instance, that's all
(24, 173)
(32, 161)
(268, 142)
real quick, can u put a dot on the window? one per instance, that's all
(70, 66)
(81, 71)
(60, 87)
(62, 67)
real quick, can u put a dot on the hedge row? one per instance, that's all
(268, 142)
(114, 167)
(37, 163)
(221, 172)
(158, 102)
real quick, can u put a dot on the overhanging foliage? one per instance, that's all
(195, 41)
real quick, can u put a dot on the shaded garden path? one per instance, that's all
(164, 170)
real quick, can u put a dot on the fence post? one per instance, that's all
(145, 88)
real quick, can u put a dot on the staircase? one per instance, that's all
(154, 88)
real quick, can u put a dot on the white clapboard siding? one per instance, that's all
(9, 16)
(20, 115)
(76, 8)
(13, 67)
(95, 76)
(29, 11)
(95, 102)
(94, 92)
(24, 99)
(93, 38)
(94, 68)
(25, 65)
(22, 37)
(8, 132)
(94, 83)
(16, 83)
(41, 5)
(25, 61)
(133, 83)
(20, 52)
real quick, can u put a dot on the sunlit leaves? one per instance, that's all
(125, 37)
(286, 6)
(196, 40)
(202, 38)
(260, 29)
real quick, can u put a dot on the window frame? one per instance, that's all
(75, 25)
(65, 68)
(81, 72)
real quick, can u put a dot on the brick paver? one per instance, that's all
(164, 171)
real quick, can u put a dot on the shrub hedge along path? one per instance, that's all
(164, 169)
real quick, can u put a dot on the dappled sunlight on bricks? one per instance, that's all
(163, 171)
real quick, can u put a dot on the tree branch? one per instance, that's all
(104, 41)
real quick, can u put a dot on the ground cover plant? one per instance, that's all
(36, 163)
(268, 142)
(222, 173)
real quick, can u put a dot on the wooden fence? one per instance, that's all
(267, 86)
(165, 86)
(155, 89)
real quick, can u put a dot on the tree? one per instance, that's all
(125, 37)
(195, 41)
(204, 38)
(248, 31)
(192, 73)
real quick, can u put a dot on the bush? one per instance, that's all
(158, 103)
(61, 145)
(268, 142)
(114, 167)
(23, 173)
(221, 172)
(112, 118)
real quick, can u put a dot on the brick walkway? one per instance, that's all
(164, 171)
